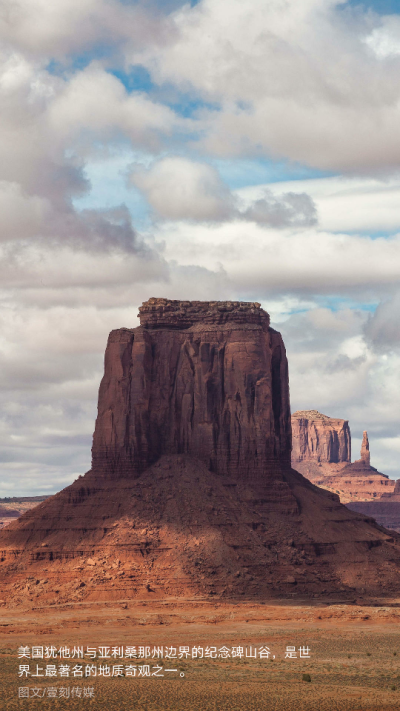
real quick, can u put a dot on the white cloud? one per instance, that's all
(382, 328)
(384, 40)
(67, 26)
(48, 126)
(307, 81)
(333, 369)
(95, 101)
(343, 204)
(180, 188)
(22, 215)
(294, 80)
(57, 307)
(276, 261)
(290, 209)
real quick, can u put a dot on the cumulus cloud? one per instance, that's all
(57, 307)
(298, 80)
(334, 369)
(292, 209)
(48, 125)
(71, 26)
(382, 328)
(180, 189)
(291, 261)
(384, 40)
(344, 204)
(31, 217)
(96, 102)
(22, 215)
(308, 81)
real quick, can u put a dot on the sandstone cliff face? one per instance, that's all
(207, 379)
(321, 452)
(320, 438)
(191, 490)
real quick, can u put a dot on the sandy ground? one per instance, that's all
(354, 656)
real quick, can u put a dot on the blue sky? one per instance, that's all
(381, 7)
(253, 154)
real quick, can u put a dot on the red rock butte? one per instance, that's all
(322, 453)
(319, 438)
(207, 379)
(191, 492)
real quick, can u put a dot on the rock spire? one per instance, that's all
(365, 455)
(321, 452)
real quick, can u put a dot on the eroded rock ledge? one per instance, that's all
(167, 313)
(191, 491)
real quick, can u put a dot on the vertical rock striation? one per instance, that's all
(321, 452)
(191, 490)
(320, 438)
(207, 379)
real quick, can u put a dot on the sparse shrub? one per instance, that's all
(393, 688)
(349, 656)
(394, 654)
(306, 677)
(368, 654)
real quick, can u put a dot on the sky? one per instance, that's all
(181, 150)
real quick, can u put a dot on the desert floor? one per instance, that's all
(354, 659)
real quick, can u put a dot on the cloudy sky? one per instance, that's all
(204, 150)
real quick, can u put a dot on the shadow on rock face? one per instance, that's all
(191, 491)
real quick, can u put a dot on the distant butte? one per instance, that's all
(191, 492)
(322, 453)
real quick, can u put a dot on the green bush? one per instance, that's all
(306, 677)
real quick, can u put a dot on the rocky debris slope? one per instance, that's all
(322, 453)
(191, 491)
(180, 530)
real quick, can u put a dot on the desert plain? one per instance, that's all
(354, 654)
(192, 568)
